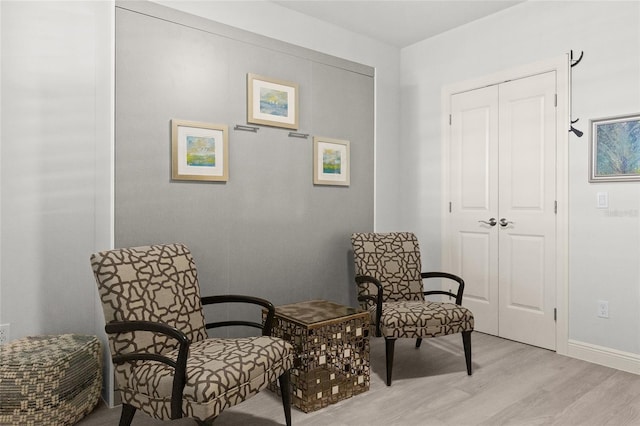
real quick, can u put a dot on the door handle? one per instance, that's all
(491, 222)
(504, 222)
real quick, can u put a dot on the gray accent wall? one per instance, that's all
(268, 231)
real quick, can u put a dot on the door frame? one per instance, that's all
(561, 65)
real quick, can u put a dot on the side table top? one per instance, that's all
(316, 312)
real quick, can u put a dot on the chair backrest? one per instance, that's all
(394, 259)
(156, 283)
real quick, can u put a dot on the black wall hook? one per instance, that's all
(577, 61)
(574, 130)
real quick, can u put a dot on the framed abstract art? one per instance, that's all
(199, 151)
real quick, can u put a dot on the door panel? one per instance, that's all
(475, 261)
(502, 166)
(526, 254)
(523, 149)
(527, 195)
(474, 196)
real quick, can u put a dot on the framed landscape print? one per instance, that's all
(272, 102)
(199, 151)
(330, 161)
(615, 149)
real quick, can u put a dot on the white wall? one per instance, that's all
(604, 245)
(55, 163)
(1, 61)
(55, 80)
(295, 28)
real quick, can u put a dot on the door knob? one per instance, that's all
(504, 222)
(491, 222)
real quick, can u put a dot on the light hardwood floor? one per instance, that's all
(512, 384)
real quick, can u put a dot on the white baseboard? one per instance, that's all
(620, 360)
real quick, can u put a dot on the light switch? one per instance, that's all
(603, 200)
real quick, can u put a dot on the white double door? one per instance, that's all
(502, 223)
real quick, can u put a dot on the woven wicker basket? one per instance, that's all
(49, 380)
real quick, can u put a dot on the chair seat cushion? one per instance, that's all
(423, 319)
(220, 374)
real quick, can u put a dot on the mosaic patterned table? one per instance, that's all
(332, 346)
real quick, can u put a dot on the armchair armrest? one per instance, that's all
(179, 365)
(234, 298)
(364, 279)
(460, 281)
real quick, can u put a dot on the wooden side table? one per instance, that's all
(332, 347)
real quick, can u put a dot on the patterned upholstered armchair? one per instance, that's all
(390, 286)
(165, 365)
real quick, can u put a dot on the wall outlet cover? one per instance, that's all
(602, 200)
(603, 309)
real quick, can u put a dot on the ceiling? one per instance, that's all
(398, 22)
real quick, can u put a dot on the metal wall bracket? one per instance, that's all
(246, 128)
(298, 135)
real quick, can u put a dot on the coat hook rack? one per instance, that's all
(573, 63)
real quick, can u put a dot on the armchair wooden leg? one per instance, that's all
(466, 342)
(389, 345)
(286, 396)
(128, 411)
(418, 342)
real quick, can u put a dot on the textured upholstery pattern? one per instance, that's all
(220, 374)
(160, 284)
(423, 319)
(154, 283)
(49, 380)
(394, 259)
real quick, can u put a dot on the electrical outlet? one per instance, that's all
(4, 333)
(603, 309)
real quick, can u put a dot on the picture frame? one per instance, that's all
(331, 161)
(199, 151)
(614, 150)
(272, 102)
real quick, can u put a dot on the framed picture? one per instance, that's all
(615, 149)
(330, 161)
(199, 151)
(272, 102)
